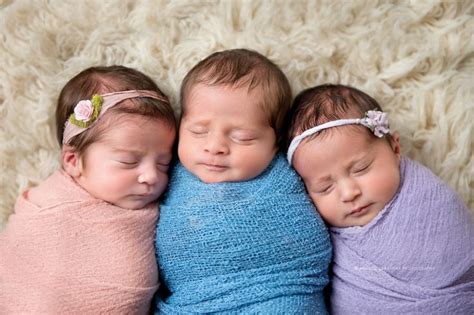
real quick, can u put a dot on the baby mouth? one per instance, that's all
(359, 211)
(214, 167)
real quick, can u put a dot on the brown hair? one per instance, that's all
(240, 68)
(101, 80)
(328, 102)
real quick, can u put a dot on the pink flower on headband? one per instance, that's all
(378, 122)
(83, 110)
(86, 112)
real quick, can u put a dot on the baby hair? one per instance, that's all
(244, 68)
(102, 80)
(320, 104)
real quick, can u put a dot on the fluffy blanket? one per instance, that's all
(68, 253)
(416, 256)
(415, 57)
(252, 247)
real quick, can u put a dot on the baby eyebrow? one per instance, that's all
(244, 131)
(198, 123)
(138, 153)
(123, 150)
(246, 126)
(196, 120)
(323, 179)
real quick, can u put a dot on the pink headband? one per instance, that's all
(87, 112)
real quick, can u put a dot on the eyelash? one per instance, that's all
(362, 169)
(324, 190)
(163, 164)
(198, 132)
(131, 164)
(128, 163)
(242, 141)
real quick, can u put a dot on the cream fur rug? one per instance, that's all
(415, 57)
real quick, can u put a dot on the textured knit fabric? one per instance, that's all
(76, 255)
(416, 256)
(257, 246)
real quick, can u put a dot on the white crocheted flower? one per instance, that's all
(377, 121)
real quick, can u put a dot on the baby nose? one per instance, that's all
(216, 145)
(148, 176)
(349, 190)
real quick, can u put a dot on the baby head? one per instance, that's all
(342, 148)
(116, 130)
(233, 106)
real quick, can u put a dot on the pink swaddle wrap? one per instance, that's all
(71, 253)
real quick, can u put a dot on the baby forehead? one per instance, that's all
(259, 93)
(351, 134)
(120, 118)
(210, 91)
(216, 100)
(334, 151)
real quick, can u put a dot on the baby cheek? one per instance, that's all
(162, 184)
(326, 208)
(389, 186)
(313, 200)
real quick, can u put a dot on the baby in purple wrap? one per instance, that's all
(403, 240)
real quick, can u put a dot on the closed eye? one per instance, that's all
(163, 166)
(243, 137)
(362, 169)
(198, 132)
(243, 140)
(128, 163)
(323, 190)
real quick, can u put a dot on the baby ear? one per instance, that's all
(395, 143)
(71, 161)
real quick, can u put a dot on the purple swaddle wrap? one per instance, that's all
(416, 256)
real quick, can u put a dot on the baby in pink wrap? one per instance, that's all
(82, 241)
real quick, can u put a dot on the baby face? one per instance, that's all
(350, 177)
(128, 166)
(225, 135)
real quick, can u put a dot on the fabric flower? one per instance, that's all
(83, 110)
(86, 112)
(377, 121)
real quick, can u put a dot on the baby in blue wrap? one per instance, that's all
(403, 240)
(237, 231)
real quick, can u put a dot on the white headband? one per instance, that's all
(376, 121)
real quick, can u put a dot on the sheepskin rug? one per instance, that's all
(415, 57)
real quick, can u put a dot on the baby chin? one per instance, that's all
(135, 202)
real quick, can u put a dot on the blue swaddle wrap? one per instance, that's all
(257, 246)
